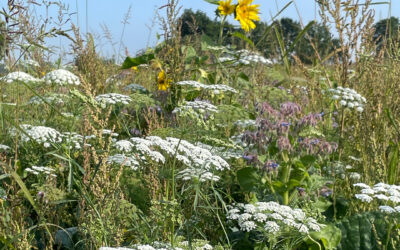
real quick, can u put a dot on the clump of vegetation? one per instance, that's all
(249, 136)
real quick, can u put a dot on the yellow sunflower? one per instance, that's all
(246, 14)
(162, 81)
(226, 8)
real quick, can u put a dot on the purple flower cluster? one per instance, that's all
(317, 146)
(310, 120)
(290, 109)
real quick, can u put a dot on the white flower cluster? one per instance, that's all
(245, 57)
(19, 77)
(349, 98)
(136, 88)
(197, 174)
(143, 247)
(216, 48)
(216, 88)
(225, 153)
(245, 123)
(196, 244)
(4, 147)
(108, 132)
(341, 171)
(30, 62)
(185, 152)
(52, 98)
(200, 106)
(381, 192)
(74, 140)
(40, 134)
(124, 146)
(126, 160)
(36, 170)
(61, 77)
(272, 218)
(113, 98)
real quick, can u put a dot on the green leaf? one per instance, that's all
(283, 49)
(25, 190)
(205, 42)
(189, 52)
(262, 158)
(329, 235)
(308, 160)
(322, 204)
(273, 18)
(298, 37)
(243, 37)
(243, 76)
(3, 176)
(212, 1)
(131, 62)
(293, 183)
(248, 178)
(393, 164)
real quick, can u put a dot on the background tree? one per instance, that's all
(386, 32)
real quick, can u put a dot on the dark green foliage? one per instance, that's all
(364, 231)
(386, 32)
(199, 23)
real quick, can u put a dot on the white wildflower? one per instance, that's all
(250, 208)
(260, 217)
(387, 209)
(124, 146)
(395, 199)
(126, 160)
(61, 77)
(303, 228)
(247, 226)
(364, 197)
(354, 176)
(361, 185)
(367, 191)
(19, 77)
(381, 197)
(113, 98)
(42, 135)
(271, 227)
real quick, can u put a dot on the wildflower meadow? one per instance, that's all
(231, 132)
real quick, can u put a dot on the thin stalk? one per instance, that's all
(286, 176)
(388, 236)
(221, 30)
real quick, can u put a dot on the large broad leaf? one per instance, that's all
(363, 231)
(189, 52)
(307, 160)
(330, 237)
(131, 62)
(248, 178)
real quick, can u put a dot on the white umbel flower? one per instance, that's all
(272, 227)
(364, 198)
(113, 98)
(42, 135)
(387, 209)
(61, 77)
(126, 160)
(18, 76)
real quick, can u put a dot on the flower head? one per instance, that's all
(225, 7)
(246, 14)
(162, 81)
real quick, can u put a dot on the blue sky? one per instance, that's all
(143, 24)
